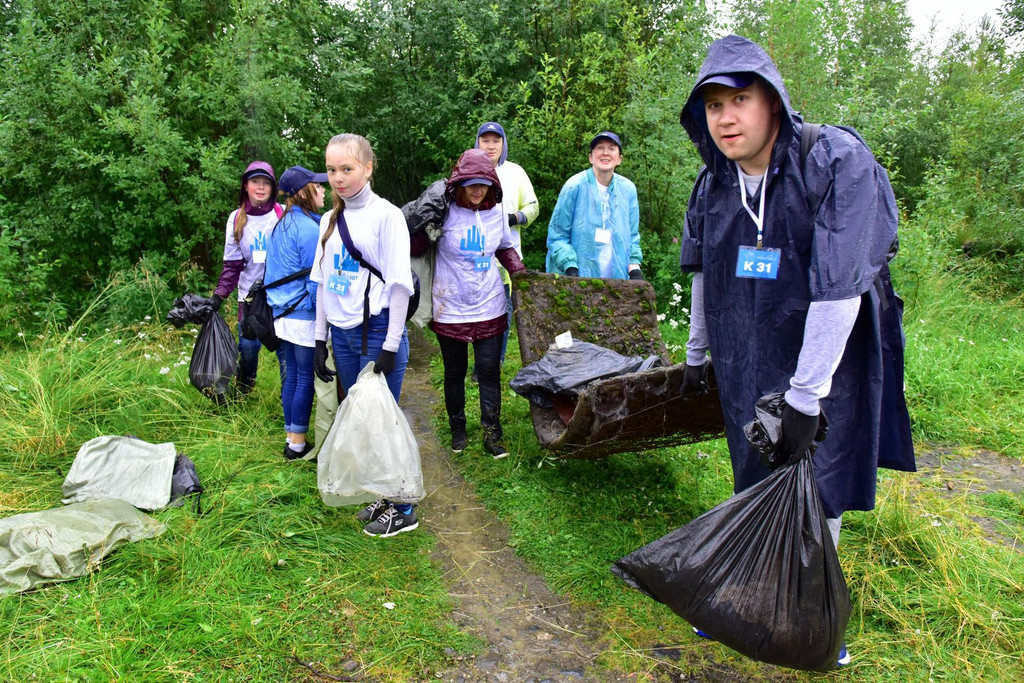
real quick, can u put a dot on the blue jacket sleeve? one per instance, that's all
(636, 255)
(561, 254)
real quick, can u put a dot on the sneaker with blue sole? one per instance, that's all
(391, 523)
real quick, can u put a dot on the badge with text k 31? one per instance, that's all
(758, 263)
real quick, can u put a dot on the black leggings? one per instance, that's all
(455, 355)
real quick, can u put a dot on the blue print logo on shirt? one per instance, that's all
(259, 242)
(473, 241)
(349, 264)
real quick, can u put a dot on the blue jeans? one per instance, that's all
(297, 386)
(349, 359)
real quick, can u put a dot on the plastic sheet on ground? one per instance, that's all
(37, 548)
(122, 467)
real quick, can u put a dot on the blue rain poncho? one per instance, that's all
(578, 214)
(834, 222)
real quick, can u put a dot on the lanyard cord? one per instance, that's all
(758, 218)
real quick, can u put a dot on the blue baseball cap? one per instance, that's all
(607, 135)
(475, 181)
(736, 80)
(296, 178)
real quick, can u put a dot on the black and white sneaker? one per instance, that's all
(291, 454)
(372, 511)
(495, 448)
(390, 523)
(459, 441)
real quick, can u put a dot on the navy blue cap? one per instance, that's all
(608, 135)
(737, 80)
(475, 181)
(296, 178)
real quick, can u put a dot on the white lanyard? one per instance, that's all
(758, 218)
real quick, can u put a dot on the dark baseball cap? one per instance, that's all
(606, 135)
(736, 80)
(296, 178)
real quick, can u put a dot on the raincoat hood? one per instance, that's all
(474, 163)
(734, 55)
(258, 168)
(492, 127)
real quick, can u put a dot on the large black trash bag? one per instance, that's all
(758, 573)
(190, 308)
(214, 360)
(568, 371)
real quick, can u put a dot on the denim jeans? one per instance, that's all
(248, 360)
(297, 387)
(349, 359)
(455, 355)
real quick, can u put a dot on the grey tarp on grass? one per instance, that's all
(122, 467)
(64, 543)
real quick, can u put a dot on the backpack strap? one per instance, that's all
(288, 278)
(346, 239)
(808, 136)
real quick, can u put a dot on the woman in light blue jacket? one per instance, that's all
(291, 250)
(594, 229)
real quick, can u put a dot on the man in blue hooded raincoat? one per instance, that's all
(791, 290)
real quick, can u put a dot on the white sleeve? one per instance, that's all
(826, 330)
(697, 344)
(232, 250)
(398, 306)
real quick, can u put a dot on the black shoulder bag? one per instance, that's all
(414, 300)
(257, 315)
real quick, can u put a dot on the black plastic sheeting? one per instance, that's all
(214, 360)
(568, 371)
(759, 573)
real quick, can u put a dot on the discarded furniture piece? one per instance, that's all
(628, 413)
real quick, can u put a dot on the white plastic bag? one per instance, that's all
(370, 452)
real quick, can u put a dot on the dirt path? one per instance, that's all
(531, 634)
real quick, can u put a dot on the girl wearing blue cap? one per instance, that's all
(292, 246)
(245, 254)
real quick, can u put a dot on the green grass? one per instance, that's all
(268, 572)
(265, 573)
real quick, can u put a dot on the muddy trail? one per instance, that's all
(531, 633)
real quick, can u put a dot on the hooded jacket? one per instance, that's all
(833, 222)
(518, 195)
(241, 269)
(467, 287)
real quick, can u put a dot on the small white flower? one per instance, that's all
(164, 371)
(675, 300)
(960, 339)
(674, 323)
(257, 620)
(661, 317)
(142, 335)
(148, 317)
(1004, 338)
(936, 522)
(22, 334)
(117, 341)
(389, 605)
(971, 343)
(676, 286)
(106, 329)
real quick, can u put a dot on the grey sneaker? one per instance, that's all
(371, 511)
(391, 522)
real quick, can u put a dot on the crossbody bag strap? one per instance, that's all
(288, 278)
(346, 239)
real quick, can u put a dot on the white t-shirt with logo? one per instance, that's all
(252, 248)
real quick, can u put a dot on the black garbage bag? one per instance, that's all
(185, 483)
(758, 573)
(764, 432)
(190, 308)
(214, 360)
(568, 371)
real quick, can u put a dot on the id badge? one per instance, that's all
(482, 263)
(760, 264)
(602, 236)
(338, 284)
(259, 256)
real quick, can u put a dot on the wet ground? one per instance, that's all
(531, 634)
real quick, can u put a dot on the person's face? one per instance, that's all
(492, 143)
(258, 188)
(346, 174)
(318, 195)
(744, 123)
(475, 194)
(605, 156)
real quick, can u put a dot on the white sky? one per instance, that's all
(949, 15)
